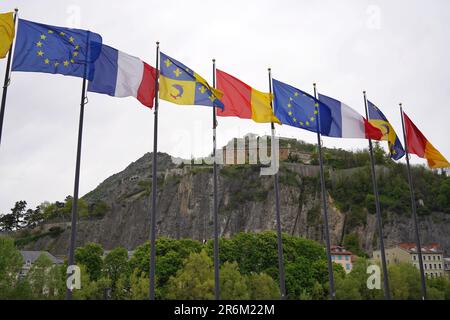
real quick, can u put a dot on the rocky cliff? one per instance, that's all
(246, 203)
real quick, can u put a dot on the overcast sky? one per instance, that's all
(396, 50)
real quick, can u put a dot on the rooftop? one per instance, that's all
(339, 250)
(428, 248)
(32, 256)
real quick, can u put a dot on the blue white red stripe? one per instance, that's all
(348, 123)
(121, 75)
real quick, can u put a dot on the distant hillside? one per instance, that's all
(246, 202)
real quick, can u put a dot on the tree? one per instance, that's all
(11, 262)
(91, 257)
(7, 222)
(116, 264)
(347, 288)
(91, 290)
(14, 220)
(32, 218)
(404, 281)
(262, 287)
(45, 279)
(195, 281)
(233, 285)
(139, 286)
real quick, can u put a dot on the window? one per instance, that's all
(414, 258)
(440, 266)
(434, 257)
(347, 258)
(425, 265)
(339, 257)
(347, 266)
(435, 266)
(439, 258)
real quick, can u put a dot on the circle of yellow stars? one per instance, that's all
(40, 47)
(311, 119)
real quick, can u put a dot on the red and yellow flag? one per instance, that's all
(419, 145)
(241, 100)
(6, 32)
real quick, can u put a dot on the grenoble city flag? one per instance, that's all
(120, 75)
(297, 108)
(50, 49)
(347, 123)
(419, 145)
(6, 32)
(241, 100)
(378, 120)
(181, 85)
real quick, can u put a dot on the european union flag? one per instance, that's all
(378, 120)
(181, 85)
(50, 49)
(299, 109)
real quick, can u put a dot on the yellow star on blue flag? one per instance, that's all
(181, 85)
(50, 49)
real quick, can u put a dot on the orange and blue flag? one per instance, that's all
(181, 85)
(378, 120)
(57, 50)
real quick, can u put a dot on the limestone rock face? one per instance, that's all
(246, 203)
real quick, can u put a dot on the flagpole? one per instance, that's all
(7, 80)
(414, 211)
(73, 229)
(324, 205)
(277, 206)
(216, 219)
(387, 291)
(154, 184)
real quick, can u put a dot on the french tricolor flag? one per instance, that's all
(121, 75)
(347, 123)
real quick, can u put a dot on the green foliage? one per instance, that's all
(233, 285)
(63, 210)
(10, 265)
(115, 265)
(262, 287)
(257, 253)
(194, 281)
(405, 281)
(15, 219)
(91, 257)
(99, 209)
(353, 193)
(45, 279)
(351, 242)
(91, 289)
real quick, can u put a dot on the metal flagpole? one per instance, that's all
(154, 184)
(324, 205)
(277, 207)
(6, 82)
(77, 171)
(216, 218)
(414, 211)
(387, 291)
